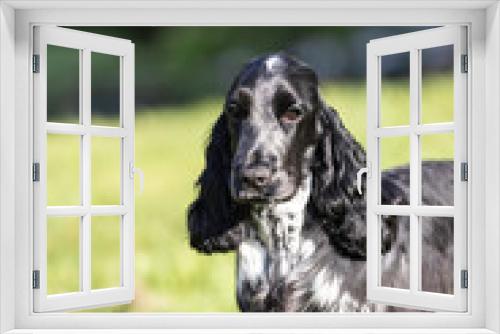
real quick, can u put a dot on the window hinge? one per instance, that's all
(36, 63)
(465, 64)
(464, 171)
(464, 279)
(36, 172)
(36, 279)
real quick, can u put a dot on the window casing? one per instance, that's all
(57, 120)
(26, 18)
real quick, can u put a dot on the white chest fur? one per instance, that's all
(273, 244)
(276, 250)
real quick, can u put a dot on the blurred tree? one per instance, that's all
(175, 65)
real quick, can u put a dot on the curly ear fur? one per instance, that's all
(212, 217)
(336, 201)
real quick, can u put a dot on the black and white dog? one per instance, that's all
(279, 187)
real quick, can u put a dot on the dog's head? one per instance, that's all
(273, 122)
(274, 132)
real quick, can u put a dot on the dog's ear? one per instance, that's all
(336, 201)
(212, 216)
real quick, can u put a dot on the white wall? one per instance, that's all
(7, 164)
(493, 166)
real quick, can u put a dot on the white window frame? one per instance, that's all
(413, 43)
(85, 43)
(16, 21)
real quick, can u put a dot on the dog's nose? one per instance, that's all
(260, 158)
(256, 177)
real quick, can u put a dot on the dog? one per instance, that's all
(279, 187)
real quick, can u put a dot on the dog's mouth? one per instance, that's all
(273, 194)
(257, 198)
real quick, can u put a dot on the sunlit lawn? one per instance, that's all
(171, 277)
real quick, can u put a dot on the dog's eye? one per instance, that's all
(232, 108)
(292, 114)
(236, 110)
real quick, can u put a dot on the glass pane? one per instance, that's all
(63, 254)
(63, 84)
(394, 162)
(437, 254)
(437, 85)
(63, 170)
(437, 168)
(105, 89)
(395, 264)
(106, 170)
(106, 261)
(395, 90)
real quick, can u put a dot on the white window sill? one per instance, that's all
(255, 331)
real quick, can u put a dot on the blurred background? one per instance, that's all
(182, 75)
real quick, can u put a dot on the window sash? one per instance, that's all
(86, 43)
(413, 43)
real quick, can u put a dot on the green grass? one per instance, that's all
(170, 141)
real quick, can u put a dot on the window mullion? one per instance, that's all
(414, 171)
(85, 112)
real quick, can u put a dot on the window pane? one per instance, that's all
(395, 242)
(105, 89)
(63, 170)
(394, 162)
(395, 90)
(106, 170)
(437, 254)
(437, 85)
(63, 84)
(437, 168)
(106, 261)
(63, 254)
